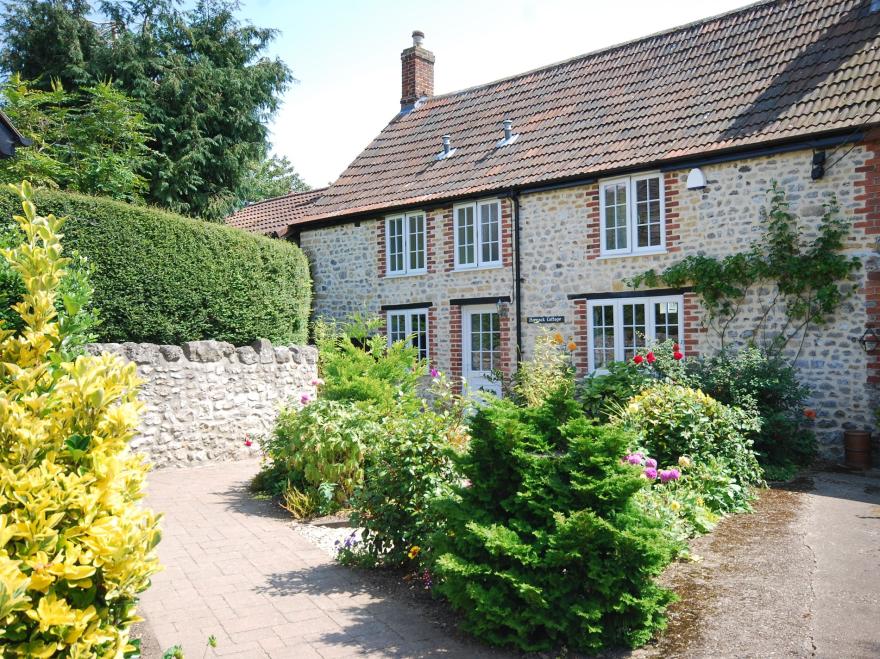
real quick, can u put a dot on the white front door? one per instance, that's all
(481, 348)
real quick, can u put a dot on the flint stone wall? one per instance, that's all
(203, 398)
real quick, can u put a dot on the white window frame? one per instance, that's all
(407, 270)
(650, 323)
(408, 325)
(632, 216)
(478, 236)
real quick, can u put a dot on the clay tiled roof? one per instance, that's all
(273, 216)
(769, 72)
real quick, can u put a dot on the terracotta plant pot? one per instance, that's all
(857, 449)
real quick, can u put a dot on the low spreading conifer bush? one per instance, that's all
(545, 546)
(76, 548)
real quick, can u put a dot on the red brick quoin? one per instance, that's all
(868, 220)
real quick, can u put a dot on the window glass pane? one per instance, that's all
(466, 231)
(490, 248)
(395, 244)
(647, 197)
(603, 335)
(633, 329)
(614, 220)
(485, 341)
(419, 332)
(416, 224)
(666, 316)
(396, 327)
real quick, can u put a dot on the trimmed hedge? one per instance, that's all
(164, 278)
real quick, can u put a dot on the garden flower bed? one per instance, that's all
(545, 518)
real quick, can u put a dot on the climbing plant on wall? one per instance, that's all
(811, 277)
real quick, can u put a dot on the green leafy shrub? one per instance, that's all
(671, 421)
(409, 466)
(163, 278)
(76, 546)
(601, 395)
(546, 547)
(549, 368)
(357, 365)
(753, 380)
(316, 455)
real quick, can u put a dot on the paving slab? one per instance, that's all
(236, 569)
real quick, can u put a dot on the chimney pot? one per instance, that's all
(417, 72)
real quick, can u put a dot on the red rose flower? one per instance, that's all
(676, 347)
(638, 359)
(810, 414)
(651, 358)
(677, 355)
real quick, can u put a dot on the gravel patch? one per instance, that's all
(328, 533)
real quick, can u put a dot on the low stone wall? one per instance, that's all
(203, 398)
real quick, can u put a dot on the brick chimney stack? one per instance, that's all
(417, 71)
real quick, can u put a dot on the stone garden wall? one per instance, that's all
(203, 398)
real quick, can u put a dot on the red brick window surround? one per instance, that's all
(613, 327)
(423, 243)
(463, 222)
(623, 191)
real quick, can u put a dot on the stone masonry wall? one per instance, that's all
(560, 258)
(202, 398)
(347, 261)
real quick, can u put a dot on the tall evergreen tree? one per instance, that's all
(200, 77)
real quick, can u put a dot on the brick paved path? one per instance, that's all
(235, 568)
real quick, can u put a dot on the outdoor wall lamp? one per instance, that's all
(870, 339)
(696, 180)
(502, 307)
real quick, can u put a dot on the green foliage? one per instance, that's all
(753, 380)
(548, 369)
(671, 421)
(410, 464)
(77, 316)
(76, 546)
(547, 548)
(357, 364)
(316, 455)
(812, 278)
(263, 179)
(603, 394)
(200, 76)
(91, 141)
(163, 278)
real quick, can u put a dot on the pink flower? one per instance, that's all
(305, 398)
(650, 358)
(317, 382)
(669, 475)
(651, 462)
(248, 442)
(634, 458)
(650, 473)
(466, 483)
(638, 359)
(435, 373)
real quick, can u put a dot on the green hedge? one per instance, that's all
(164, 278)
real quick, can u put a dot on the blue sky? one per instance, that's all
(346, 56)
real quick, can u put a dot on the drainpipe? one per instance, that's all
(517, 273)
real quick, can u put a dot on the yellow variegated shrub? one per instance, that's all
(76, 547)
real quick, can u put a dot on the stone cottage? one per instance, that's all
(477, 219)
